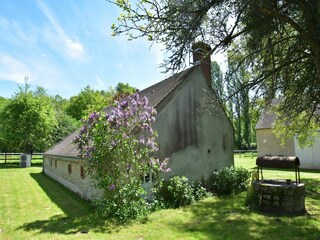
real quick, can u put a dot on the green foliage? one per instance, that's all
(199, 192)
(239, 103)
(87, 101)
(229, 180)
(277, 42)
(118, 148)
(217, 80)
(124, 203)
(90, 100)
(178, 191)
(27, 121)
(65, 126)
(65, 123)
(288, 128)
(3, 102)
(125, 88)
(33, 120)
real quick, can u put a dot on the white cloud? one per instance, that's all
(75, 49)
(38, 70)
(12, 69)
(60, 39)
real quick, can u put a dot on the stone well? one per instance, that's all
(280, 196)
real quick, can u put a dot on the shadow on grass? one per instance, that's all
(78, 216)
(227, 217)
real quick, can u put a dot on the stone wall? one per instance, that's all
(269, 144)
(194, 131)
(71, 173)
(277, 196)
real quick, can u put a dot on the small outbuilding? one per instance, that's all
(269, 144)
(193, 130)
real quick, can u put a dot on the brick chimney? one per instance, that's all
(201, 54)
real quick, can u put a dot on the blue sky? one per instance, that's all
(65, 45)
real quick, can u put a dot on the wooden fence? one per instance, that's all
(253, 153)
(8, 157)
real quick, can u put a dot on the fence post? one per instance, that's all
(5, 158)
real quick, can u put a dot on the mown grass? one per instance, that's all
(33, 206)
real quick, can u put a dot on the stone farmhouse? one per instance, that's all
(193, 130)
(269, 144)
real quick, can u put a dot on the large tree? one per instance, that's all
(280, 39)
(88, 100)
(27, 121)
(236, 78)
(217, 80)
(65, 123)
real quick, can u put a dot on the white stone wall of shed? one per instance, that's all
(73, 181)
(269, 144)
(196, 141)
(309, 156)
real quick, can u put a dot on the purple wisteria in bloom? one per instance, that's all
(118, 147)
(126, 126)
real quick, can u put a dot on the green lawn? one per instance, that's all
(33, 206)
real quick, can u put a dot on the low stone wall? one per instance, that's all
(71, 173)
(280, 197)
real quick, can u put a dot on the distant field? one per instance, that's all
(33, 206)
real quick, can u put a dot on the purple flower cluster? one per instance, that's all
(164, 166)
(112, 187)
(128, 125)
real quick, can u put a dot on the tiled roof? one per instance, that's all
(155, 94)
(267, 116)
(266, 119)
(65, 147)
(159, 91)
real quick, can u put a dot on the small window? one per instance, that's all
(82, 173)
(69, 168)
(50, 162)
(148, 177)
(55, 163)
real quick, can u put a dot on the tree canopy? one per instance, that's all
(33, 120)
(27, 121)
(89, 100)
(279, 42)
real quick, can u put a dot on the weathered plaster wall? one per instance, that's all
(267, 143)
(309, 156)
(197, 139)
(57, 168)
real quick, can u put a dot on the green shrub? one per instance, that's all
(125, 204)
(178, 191)
(199, 192)
(229, 180)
